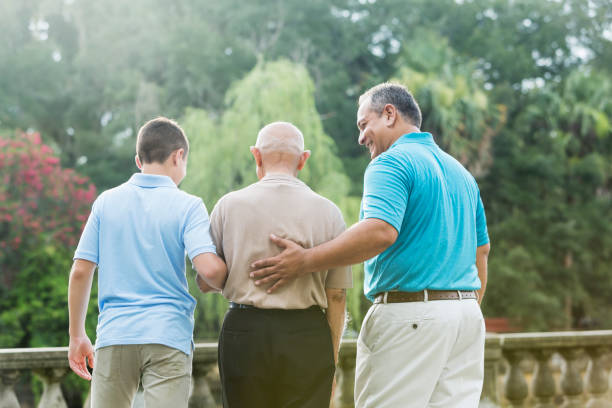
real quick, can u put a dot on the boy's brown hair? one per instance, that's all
(158, 138)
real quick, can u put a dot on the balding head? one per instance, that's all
(280, 148)
(280, 137)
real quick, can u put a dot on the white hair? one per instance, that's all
(281, 137)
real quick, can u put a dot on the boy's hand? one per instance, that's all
(81, 352)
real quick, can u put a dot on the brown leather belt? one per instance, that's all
(400, 297)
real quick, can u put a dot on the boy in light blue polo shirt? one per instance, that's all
(138, 234)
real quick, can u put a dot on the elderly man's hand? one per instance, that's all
(282, 268)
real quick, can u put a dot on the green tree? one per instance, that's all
(549, 197)
(456, 108)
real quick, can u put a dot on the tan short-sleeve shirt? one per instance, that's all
(241, 224)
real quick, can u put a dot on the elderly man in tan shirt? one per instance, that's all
(280, 349)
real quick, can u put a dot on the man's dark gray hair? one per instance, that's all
(158, 138)
(396, 95)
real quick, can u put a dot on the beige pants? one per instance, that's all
(165, 374)
(421, 354)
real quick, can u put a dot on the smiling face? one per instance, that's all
(374, 128)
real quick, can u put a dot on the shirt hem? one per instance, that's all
(203, 250)
(382, 217)
(85, 257)
(121, 342)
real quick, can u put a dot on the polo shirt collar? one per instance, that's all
(415, 137)
(281, 177)
(151, 180)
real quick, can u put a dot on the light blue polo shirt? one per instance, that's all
(138, 234)
(434, 204)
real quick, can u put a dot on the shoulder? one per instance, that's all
(324, 206)
(390, 167)
(115, 193)
(398, 157)
(235, 198)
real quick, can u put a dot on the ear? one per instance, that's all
(256, 155)
(177, 156)
(390, 115)
(138, 162)
(303, 157)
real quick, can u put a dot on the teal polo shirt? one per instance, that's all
(434, 204)
(138, 234)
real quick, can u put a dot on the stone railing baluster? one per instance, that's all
(543, 379)
(204, 361)
(493, 356)
(597, 378)
(345, 385)
(201, 396)
(571, 379)
(52, 396)
(8, 398)
(516, 386)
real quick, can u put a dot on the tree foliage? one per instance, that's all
(517, 90)
(42, 210)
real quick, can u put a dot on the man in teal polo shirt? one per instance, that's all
(138, 234)
(424, 238)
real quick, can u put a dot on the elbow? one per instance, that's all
(216, 274)
(336, 296)
(81, 270)
(213, 276)
(483, 251)
(386, 237)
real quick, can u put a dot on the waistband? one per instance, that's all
(240, 306)
(424, 296)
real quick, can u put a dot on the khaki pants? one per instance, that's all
(165, 374)
(421, 354)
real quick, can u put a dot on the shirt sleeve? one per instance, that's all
(482, 235)
(216, 227)
(339, 278)
(88, 248)
(385, 192)
(197, 237)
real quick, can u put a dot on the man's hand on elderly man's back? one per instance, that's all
(282, 268)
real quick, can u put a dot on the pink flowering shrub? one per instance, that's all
(40, 203)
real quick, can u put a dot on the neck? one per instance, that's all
(266, 171)
(404, 130)
(158, 169)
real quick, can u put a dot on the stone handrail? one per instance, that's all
(531, 379)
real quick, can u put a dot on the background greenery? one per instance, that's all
(518, 90)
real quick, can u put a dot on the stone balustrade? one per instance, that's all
(550, 369)
(569, 369)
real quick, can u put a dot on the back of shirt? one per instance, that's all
(138, 234)
(434, 203)
(241, 224)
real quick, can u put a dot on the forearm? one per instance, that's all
(336, 313)
(203, 286)
(211, 269)
(215, 279)
(361, 242)
(79, 289)
(482, 256)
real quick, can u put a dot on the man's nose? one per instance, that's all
(361, 138)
